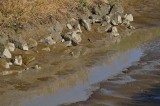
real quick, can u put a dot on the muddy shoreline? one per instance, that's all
(67, 61)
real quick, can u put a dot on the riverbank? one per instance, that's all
(63, 62)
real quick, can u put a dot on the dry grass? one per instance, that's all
(22, 11)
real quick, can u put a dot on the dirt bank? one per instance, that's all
(45, 62)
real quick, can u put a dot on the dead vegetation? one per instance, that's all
(17, 12)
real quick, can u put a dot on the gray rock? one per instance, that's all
(107, 19)
(48, 40)
(101, 10)
(32, 43)
(17, 60)
(116, 9)
(69, 26)
(73, 36)
(116, 19)
(115, 31)
(11, 47)
(129, 17)
(76, 37)
(86, 24)
(55, 31)
(131, 27)
(79, 30)
(7, 53)
(68, 43)
(19, 42)
(95, 19)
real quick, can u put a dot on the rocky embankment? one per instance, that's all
(19, 52)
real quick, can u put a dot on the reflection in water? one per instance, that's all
(75, 87)
(79, 83)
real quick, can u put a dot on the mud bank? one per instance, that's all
(46, 68)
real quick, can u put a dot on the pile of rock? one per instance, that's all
(108, 17)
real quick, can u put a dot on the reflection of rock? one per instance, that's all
(37, 67)
(28, 58)
(4, 64)
(115, 31)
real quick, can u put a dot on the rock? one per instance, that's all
(129, 17)
(108, 28)
(17, 60)
(68, 43)
(115, 31)
(55, 31)
(95, 19)
(116, 9)
(86, 24)
(116, 19)
(48, 40)
(114, 22)
(107, 19)
(37, 67)
(7, 53)
(73, 36)
(19, 42)
(79, 30)
(32, 43)
(76, 37)
(4, 64)
(101, 10)
(69, 26)
(131, 27)
(11, 47)
(46, 49)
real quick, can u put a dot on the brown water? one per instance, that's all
(79, 86)
(126, 74)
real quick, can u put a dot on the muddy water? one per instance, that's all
(137, 85)
(83, 85)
